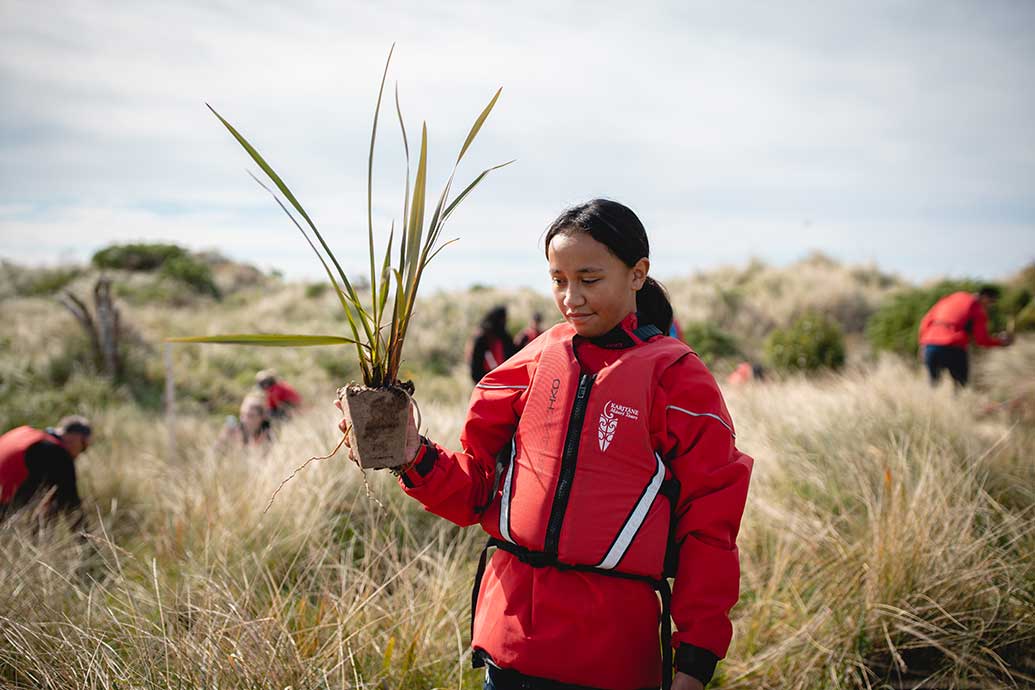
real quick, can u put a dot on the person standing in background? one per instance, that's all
(532, 331)
(491, 345)
(948, 327)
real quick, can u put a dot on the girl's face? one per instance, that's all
(592, 287)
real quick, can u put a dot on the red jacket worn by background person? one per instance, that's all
(649, 401)
(13, 470)
(954, 319)
(280, 393)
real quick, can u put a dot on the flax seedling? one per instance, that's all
(378, 409)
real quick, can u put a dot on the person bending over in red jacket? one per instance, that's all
(281, 399)
(601, 461)
(38, 465)
(948, 327)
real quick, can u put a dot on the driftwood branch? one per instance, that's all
(103, 327)
(107, 318)
(82, 314)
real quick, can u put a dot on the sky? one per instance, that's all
(894, 133)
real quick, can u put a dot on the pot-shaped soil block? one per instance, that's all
(378, 419)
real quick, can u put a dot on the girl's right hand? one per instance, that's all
(412, 438)
(343, 426)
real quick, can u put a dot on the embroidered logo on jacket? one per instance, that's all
(609, 422)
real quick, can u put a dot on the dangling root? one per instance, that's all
(370, 494)
(304, 465)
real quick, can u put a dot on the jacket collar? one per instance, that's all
(621, 337)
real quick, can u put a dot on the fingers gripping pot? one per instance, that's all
(377, 422)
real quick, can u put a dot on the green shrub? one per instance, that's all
(191, 272)
(895, 325)
(168, 260)
(137, 257)
(709, 342)
(1013, 301)
(1018, 300)
(315, 290)
(1025, 320)
(812, 342)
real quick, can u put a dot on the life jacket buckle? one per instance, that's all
(539, 559)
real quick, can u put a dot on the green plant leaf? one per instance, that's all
(476, 127)
(386, 274)
(267, 340)
(416, 223)
(438, 218)
(364, 317)
(460, 197)
(326, 268)
(406, 193)
(440, 248)
(370, 189)
(261, 162)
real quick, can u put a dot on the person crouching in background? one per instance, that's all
(38, 467)
(250, 429)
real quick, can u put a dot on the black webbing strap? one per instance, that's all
(476, 659)
(541, 559)
(502, 464)
(666, 633)
(647, 331)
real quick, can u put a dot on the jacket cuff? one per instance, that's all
(423, 463)
(696, 661)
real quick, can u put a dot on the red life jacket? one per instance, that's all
(589, 498)
(558, 615)
(573, 499)
(13, 471)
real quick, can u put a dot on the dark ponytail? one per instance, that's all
(653, 305)
(617, 227)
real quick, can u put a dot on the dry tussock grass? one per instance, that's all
(889, 535)
(888, 538)
(750, 301)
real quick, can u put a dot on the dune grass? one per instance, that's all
(888, 539)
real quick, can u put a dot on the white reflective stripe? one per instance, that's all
(704, 414)
(505, 499)
(488, 386)
(635, 520)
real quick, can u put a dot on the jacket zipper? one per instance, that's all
(567, 473)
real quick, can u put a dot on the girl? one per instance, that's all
(601, 461)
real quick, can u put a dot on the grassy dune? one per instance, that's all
(888, 541)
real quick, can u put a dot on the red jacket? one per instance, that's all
(649, 401)
(13, 471)
(954, 319)
(280, 396)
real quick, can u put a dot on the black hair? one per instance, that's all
(73, 424)
(989, 291)
(496, 321)
(617, 227)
